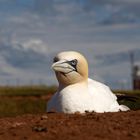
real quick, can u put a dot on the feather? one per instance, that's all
(132, 98)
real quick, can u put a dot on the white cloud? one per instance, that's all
(9, 70)
(36, 45)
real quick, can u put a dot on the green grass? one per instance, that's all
(14, 107)
(20, 100)
(132, 105)
(26, 90)
(133, 92)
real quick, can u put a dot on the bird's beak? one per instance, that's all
(62, 66)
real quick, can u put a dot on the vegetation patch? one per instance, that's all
(33, 99)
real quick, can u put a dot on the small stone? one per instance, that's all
(44, 117)
(39, 128)
(86, 111)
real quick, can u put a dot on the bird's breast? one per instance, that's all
(75, 98)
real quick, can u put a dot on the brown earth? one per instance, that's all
(56, 126)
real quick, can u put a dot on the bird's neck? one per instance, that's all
(83, 85)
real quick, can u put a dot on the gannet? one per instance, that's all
(77, 92)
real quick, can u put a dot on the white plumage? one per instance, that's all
(78, 93)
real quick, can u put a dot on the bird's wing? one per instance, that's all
(102, 96)
(131, 98)
(100, 89)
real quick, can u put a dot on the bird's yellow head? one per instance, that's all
(70, 67)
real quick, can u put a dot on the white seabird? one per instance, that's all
(77, 92)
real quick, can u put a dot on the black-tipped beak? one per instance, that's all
(63, 66)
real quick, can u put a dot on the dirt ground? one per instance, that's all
(56, 126)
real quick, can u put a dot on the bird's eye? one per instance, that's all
(73, 62)
(55, 59)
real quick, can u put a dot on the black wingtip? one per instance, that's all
(132, 98)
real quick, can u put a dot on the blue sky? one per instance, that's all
(32, 32)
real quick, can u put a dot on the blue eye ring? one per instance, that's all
(73, 62)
